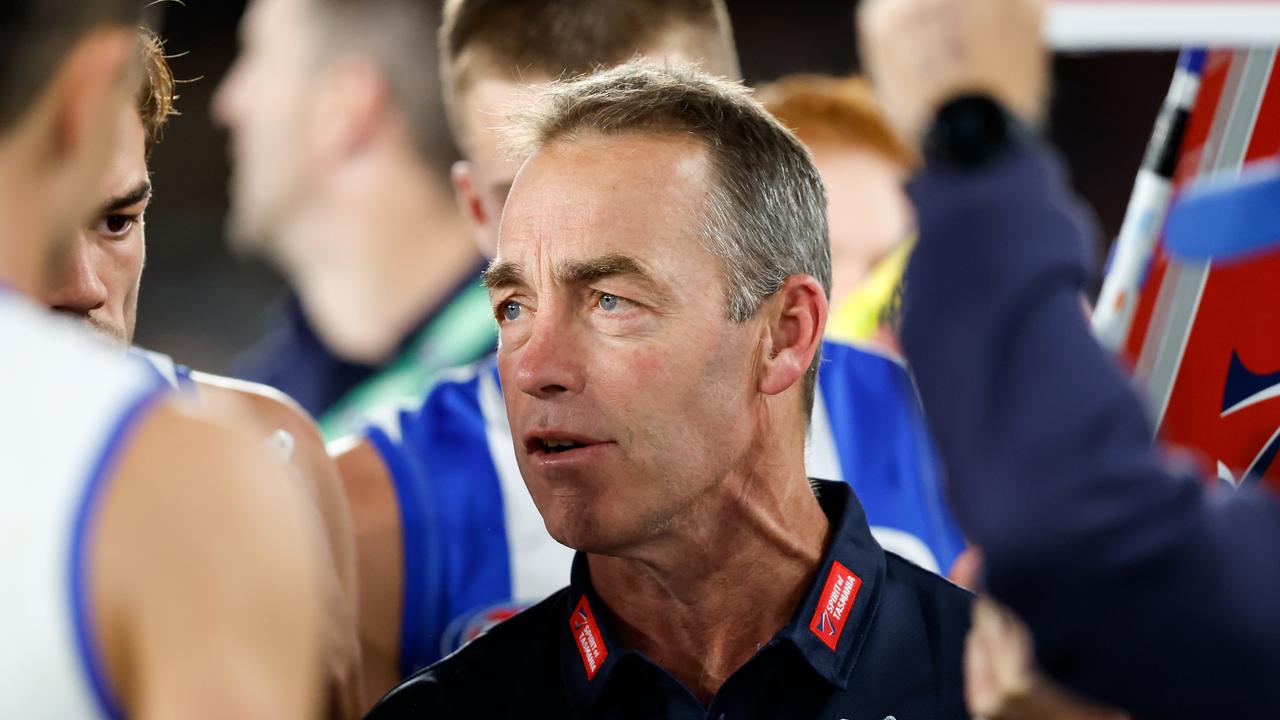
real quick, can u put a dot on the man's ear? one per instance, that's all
(797, 318)
(352, 102)
(470, 204)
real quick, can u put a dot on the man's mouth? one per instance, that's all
(558, 446)
(549, 445)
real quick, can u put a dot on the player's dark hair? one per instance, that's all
(35, 36)
(563, 38)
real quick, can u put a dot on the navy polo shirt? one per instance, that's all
(875, 637)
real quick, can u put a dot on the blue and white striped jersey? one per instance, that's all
(476, 550)
(68, 404)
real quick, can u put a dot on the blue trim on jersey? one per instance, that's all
(182, 380)
(186, 383)
(885, 449)
(86, 514)
(421, 609)
(477, 558)
(446, 440)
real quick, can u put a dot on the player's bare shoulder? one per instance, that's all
(270, 409)
(292, 439)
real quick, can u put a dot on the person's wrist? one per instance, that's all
(970, 131)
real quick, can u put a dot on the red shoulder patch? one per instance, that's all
(582, 622)
(834, 604)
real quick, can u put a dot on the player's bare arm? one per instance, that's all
(292, 436)
(379, 562)
(204, 590)
(303, 449)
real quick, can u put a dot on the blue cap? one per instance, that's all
(1227, 217)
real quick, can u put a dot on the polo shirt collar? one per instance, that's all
(589, 651)
(828, 629)
(837, 612)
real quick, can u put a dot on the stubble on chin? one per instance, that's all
(108, 331)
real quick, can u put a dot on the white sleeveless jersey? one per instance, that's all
(67, 405)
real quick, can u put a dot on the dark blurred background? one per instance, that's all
(202, 306)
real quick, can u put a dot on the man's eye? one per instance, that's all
(116, 225)
(611, 304)
(510, 310)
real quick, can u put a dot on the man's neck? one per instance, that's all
(392, 252)
(726, 583)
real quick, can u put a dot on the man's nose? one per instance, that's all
(78, 289)
(550, 365)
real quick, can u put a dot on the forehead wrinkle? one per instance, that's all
(575, 200)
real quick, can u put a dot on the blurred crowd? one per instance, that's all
(206, 304)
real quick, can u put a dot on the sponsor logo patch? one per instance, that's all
(587, 636)
(834, 604)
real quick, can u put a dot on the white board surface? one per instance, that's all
(1099, 25)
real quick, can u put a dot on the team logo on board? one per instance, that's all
(834, 604)
(587, 636)
(1245, 389)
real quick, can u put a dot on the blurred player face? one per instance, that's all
(630, 394)
(262, 102)
(483, 181)
(99, 276)
(868, 210)
(95, 88)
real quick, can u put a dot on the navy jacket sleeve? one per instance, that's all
(1141, 588)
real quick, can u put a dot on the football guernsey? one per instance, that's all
(69, 404)
(476, 550)
(173, 374)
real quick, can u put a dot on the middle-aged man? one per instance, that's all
(659, 371)
(99, 283)
(126, 593)
(341, 179)
(449, 540)
(1141, 588)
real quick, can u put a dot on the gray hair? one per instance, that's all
(766, 215)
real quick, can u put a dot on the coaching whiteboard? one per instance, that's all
(1085, 25)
